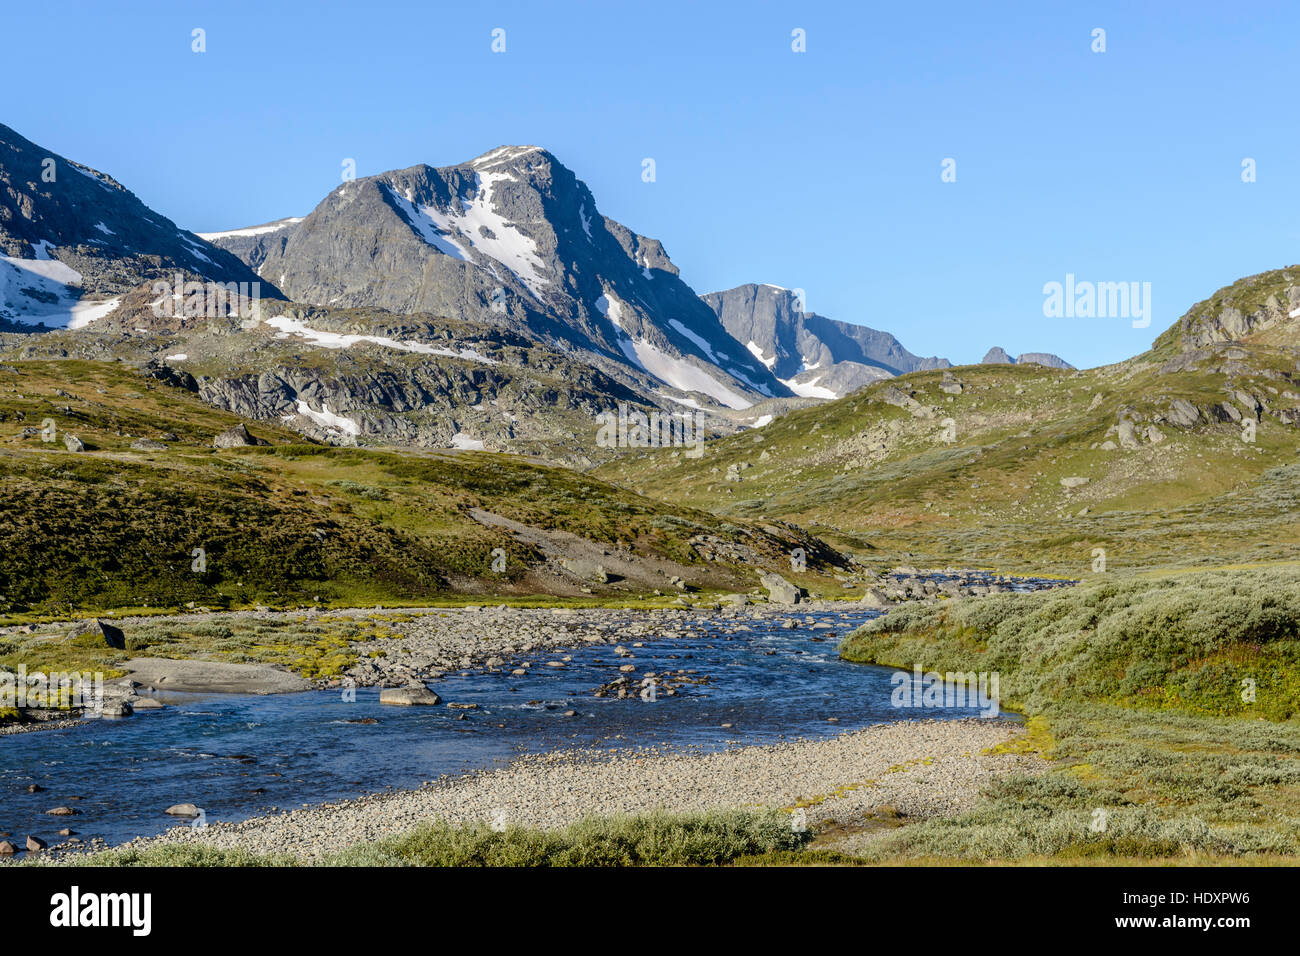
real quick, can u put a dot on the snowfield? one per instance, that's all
(338, 340)
(45, 290)
(252, 231)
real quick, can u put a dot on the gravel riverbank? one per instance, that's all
(917, 768)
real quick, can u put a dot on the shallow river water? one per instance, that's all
(238, 755)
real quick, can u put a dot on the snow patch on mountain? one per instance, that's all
(482, 227)
(329, 419)
(757, 351)
(338, 340)
(808, 389)
(466, 443)
(252, 230)
(44, 290)
(677, 372)
(423, 219)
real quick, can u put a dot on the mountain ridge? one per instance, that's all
(814, 356)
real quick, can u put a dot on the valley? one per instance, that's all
(285, 488)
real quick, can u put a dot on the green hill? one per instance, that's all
(285, 523)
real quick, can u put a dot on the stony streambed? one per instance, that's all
(563, 690)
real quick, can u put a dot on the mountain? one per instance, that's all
(998, 356)
(813, 356)
(1182, 455)
(514, 239)
(73, 238)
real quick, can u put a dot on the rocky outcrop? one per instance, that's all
(1250, 306)
(237, 436)
(97, 633)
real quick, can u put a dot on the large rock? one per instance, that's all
(586, 570)
(1226, 412)
(1127, 434)
(35, 843)
(1183, 413)
(416, 695)
(182, 810)
(7, 848)
(779, 590)
(160, 673)
(237, 437)
(1074, 481)
(97, 633)
(897, 397)
(72, 443)
(874, 597)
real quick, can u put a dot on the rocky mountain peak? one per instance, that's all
(999, 356)
(512, 238)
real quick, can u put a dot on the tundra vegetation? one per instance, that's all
(1167, 706)
(656, 839)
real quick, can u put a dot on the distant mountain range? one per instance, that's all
(487, 304)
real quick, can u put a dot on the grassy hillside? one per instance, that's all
(1169, 706)
(290, 523)
(966, 467)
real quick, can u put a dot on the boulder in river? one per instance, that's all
(182, 810)
(116, 708)
(35, 843)
(7, 848)
(413, 696)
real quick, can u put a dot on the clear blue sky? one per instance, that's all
(818, 170)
